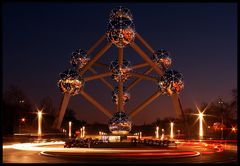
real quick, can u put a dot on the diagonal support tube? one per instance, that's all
(102, 79)
(90, 50)
(137, 66)
(95, 58)
(144, 104)
(146, 58)
(137, 80)
(96, 104)
(143, 76)
(90, 78)
(139, 37)
(58, 120)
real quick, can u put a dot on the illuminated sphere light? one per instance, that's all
(126, 96)
(121, 29)
(171, 82)
(70, 82)
(120, 12)
(79, 58)
(122, 73)
(162, 59)
(119, 124)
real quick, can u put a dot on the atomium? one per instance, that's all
(162, 59)
(70, 82)
(115, 92)
(171, 82)
(79, 58)
(121, 33)
(120, 124)
(121, 29)
(120, 73)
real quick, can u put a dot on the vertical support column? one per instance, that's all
(120, 83)
(58, 121)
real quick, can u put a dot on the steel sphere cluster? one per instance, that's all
(121, 29)
(70, 82)
(171, 82)
(79, 58)
(120, 73)
(126, 96)
(120, 124)
(162, 59)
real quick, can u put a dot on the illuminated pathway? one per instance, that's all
(194, 152)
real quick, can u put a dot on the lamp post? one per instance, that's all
(20, 124)
(171, 131)
(83, 131)
(162, 137)
(221, 103)
(39, 122)
(157, 132)
(69, 129)
(200, 115)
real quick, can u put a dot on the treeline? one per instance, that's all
(16, 105)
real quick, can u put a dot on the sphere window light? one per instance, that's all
(79, 58)
(121, 29)
(162, 59)
(171, 82)
(119, 124)
(70, 82)
(120, 73)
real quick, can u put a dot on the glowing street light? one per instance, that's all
(83, 131)
(162, 137)
(23, 119)
(70, 128)
(157, 132)
(200, 115)
(171, 131)
(39, 113)
(234, 129)
(140, 135)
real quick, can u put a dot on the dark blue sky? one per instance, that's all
(38, 39)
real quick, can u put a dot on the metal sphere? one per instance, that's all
(70, 82)
(121, 29)
(171, 82)
(120, 12)
(79, 58)
(162, 58)
(119, 124)
(120, 73)
(115, 92)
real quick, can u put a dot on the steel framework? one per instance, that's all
(152, 67)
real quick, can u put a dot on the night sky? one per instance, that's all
(39, 38)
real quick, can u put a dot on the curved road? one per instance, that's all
(55, 153)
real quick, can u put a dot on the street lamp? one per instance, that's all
(200, 115)
(171, 131)
(39, 113)
(20, 124)
(221, 103)
(83, 131)
(162, 137)
(157, 132)
(70, 129)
